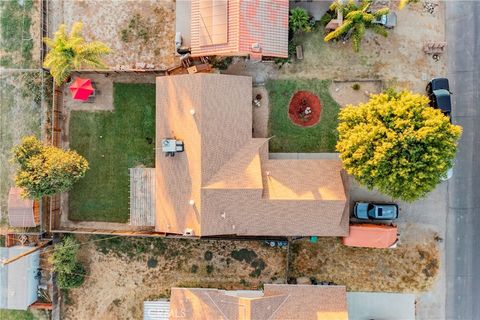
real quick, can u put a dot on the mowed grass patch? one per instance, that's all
(112, 142)
(288, 137)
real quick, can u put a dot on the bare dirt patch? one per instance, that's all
(411, 267)
(398, 59)
(105, 20)
(353, 92)
(122, 275)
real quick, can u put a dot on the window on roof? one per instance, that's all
(213, 22)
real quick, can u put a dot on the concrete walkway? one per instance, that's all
(379, 305)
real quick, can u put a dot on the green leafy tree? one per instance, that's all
(397, 143)
(45, 170)
(69, 52)
(299, 20)
(357, 21)
(70, 272)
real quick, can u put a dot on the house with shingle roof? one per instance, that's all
(224, 183)
(275, 302)
(234, 27)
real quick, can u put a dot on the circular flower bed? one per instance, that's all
(304, 109)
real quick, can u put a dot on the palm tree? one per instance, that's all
(357, 21)
(299, 20)
(69, 52)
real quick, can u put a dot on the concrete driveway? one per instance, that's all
(419, 221)
(380, 305)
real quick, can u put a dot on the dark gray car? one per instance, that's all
(438, 91)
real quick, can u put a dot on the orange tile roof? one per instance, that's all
(236, 189)
(278, 302)
(250, 22)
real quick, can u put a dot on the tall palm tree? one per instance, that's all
(69, 52)
(357, 21)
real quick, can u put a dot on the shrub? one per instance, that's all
(221, 63)
(45, 170)
(208, 255)
(356, 86)
(397, 143)
(209, 269)
(70, 273)
(299, 20)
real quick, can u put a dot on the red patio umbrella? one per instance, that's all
(81, 89)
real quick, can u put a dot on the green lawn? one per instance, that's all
(112, 142)
(16, 315)
(288, 137)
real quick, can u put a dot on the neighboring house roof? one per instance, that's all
(20, 210)
(278, 302)
(236, 189)
(18, 282)
(239, 27)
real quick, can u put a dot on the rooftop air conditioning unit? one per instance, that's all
(188, 232)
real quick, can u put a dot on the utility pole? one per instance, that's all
(26, 253)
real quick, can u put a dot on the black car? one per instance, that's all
(439, 94)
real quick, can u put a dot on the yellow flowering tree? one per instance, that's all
(397, 144)
(45, 170)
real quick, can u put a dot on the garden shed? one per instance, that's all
(18, 280)
(22, 213)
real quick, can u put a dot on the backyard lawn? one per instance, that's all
(288, 137)
(112, 142)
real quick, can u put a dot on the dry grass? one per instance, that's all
(408, 268)
(118, 281)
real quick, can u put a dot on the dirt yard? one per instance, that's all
(136, 31)
(20, 115)
(354, 92)
(398, 59)
(411, 267)
(124, 272)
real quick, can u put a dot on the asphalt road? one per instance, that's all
(463, 219)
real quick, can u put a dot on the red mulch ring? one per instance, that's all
(304, 109)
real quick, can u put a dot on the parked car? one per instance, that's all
(387, 20)
(375, 211)
(438, 91)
